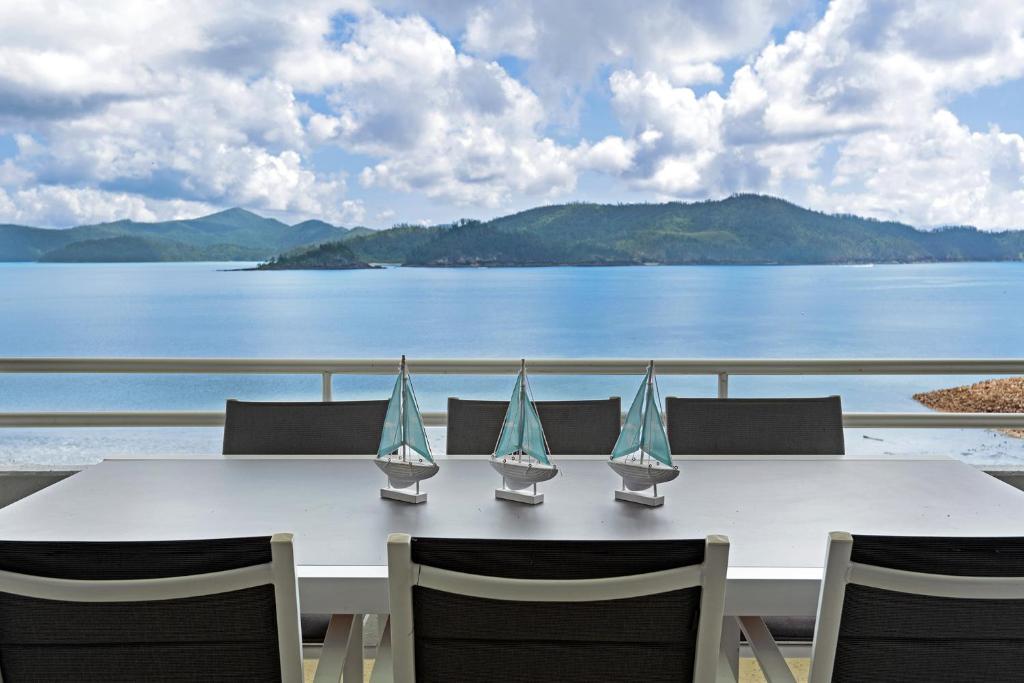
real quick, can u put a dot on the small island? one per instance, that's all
(989, 396)
(738, 230)
(329, 256)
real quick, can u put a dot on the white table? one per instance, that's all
(776, 513)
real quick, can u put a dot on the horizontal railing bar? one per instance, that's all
(439, 419)
(596, 366)
(114, 419)
(936, 420)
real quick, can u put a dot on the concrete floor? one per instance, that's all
(750, 672)
(310, 666)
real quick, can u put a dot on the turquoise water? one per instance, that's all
(940, 310)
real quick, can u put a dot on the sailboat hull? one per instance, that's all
(522, 475)
(403, 474)
(638, 476)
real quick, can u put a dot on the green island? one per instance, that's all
(742, 229)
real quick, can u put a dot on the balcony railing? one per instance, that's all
(722, 369)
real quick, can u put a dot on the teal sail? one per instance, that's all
(643, 429)
(655, 441)
(632, 429)
(403, 424)
(415, 434)
(521, 430)
(391, 435)
(510, 437)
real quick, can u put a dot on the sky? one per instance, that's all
(375, 113)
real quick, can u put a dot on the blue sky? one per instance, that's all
(363, 112)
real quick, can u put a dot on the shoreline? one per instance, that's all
(1004, 395)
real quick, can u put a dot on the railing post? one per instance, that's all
(723, 385)
(326, 385)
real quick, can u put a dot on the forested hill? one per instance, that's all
(743, 229)
(231, 235)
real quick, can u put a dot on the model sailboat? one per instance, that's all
(403, 432)
(522, 454)
(641, 455)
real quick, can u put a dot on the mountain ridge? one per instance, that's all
(741, 229)
(234, 233)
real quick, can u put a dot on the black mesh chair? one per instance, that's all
(755, 426)
(335, 428)
(566, 610)
(474, 426)
(581, 427)
(571, 427)
(211, 610)
(920, 609)
(758, 426)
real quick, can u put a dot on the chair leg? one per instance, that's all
(354, 647)
(729, 653)
(383, 667)
(382, 620)
(341, 657)
(766, 650)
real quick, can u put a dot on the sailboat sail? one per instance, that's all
(508, 440)
(643, 429)
(655, 441)
(632, 429)
(521, 430)
(415, 434)
(403, 424)
(533, 443)
(391, 436)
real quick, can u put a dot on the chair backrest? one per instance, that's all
(571, 427)
(920, 609)
(478, 610)
(149, 611)
(314, 428)
(474, 426)
(755, 426)
(581, 427)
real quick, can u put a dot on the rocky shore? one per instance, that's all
(989, 396)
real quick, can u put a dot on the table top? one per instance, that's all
(776, 513)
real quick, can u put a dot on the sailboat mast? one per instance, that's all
(401, 411)
(647, 392)
(522, 407)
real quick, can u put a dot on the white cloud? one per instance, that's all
(613, 154)
(869, 80)
(145, 110)
(136, 104)
(502, 30)
(940, 173)
(443, 124)
(569, 42)
(60, 207)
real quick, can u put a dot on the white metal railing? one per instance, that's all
(327, 368)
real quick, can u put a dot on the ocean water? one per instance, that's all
(206, 309)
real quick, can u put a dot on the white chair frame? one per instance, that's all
(399, 658)
(840, 571)
(279, 572)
